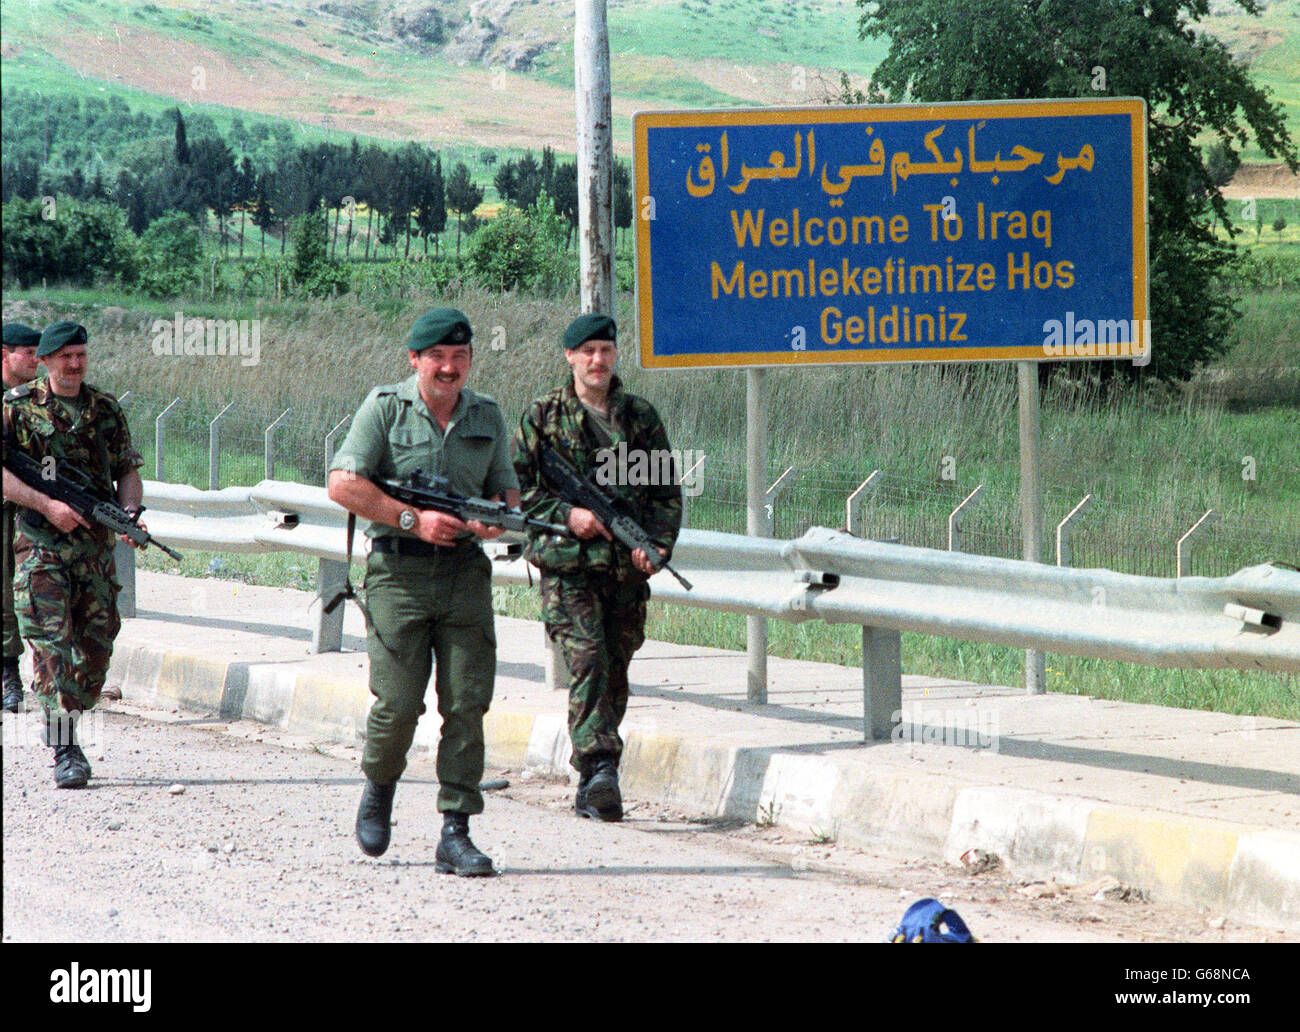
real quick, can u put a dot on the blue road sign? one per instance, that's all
(1009, 230)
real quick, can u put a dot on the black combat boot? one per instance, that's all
(603, 801)
(580, 798)
(71, 768)
(375, 818)
(456, 853)
(13, 685)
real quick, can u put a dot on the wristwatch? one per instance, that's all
(407, 519)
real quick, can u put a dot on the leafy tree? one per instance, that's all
(33, 245)
(182, 145)
(953, 50)
(462, 197)
(96, 243)
(565, 192)
(310, 265)
(522, 249)
(622, 195)
(431, 205)
(171, 256)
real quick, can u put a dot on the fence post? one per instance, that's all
(769, 501)
(692, 476)
(1066, 527)
(865, 490)
(214, 449)
(1182, 551)
(954, 527)
(158, 461)
(124, 561)
(329, 445)
(270, 452)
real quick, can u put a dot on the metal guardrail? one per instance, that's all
(1248, 621)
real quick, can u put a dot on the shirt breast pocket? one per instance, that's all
(410, 452)
(473, 460)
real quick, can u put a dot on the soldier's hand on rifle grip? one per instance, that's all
(642, 562)
(482, 530)
(585, 524)
(437, 528)
(64, 517)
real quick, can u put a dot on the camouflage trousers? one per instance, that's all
(67, 612)
(13, 642)
(599, 623)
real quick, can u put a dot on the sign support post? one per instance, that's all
(755, 521)
(1031, 503)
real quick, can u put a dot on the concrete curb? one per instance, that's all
(1248, 872)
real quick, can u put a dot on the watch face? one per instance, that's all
(407, 520)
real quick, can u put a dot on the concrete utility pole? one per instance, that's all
(595, 195)
(595, 156)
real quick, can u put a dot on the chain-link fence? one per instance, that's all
(244, 442)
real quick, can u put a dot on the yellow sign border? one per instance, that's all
(644, 121)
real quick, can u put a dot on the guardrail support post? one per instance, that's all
(327, 635)
(1065, 527)
(270, 451)
(852, 517)
(1183, 550)
(158, 463)
(214, 449)
(557, 670)
(882, 682)
(124, 561)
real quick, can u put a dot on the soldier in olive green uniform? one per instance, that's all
(20, 344)
(594, 590)
(66, 588)
(428, 585)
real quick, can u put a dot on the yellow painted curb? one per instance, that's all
(190, 680)
(505, 736)
(1177, 857)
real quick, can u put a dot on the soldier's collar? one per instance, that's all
(409, 391)
(613, 400)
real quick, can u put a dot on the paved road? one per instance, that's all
(258, 847)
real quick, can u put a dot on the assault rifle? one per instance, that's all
(76, 490)
(436, 493)
(575, 489)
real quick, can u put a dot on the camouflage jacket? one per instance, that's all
(98, 443)
(560, 421)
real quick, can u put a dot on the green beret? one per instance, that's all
(589, 327)
(19, 336)
(60, 335)
(441, 326)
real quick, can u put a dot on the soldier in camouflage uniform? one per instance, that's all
(594, 590)
(66, 589)
(20, 365)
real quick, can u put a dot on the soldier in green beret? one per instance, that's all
(428, 584)
(20, 365)
(65, 590)
(594, 591)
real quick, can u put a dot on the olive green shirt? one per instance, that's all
(394, 434)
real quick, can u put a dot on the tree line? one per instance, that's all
(156, 173)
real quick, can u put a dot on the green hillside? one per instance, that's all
(499, 77)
